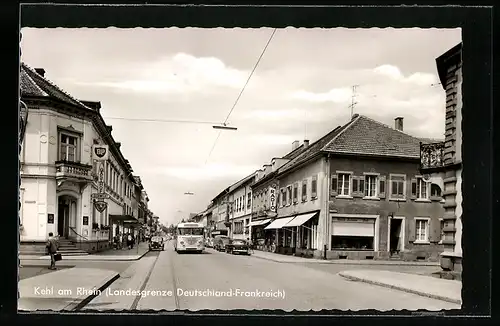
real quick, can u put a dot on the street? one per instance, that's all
(203, 281)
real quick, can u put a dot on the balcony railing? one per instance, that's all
(431, 155)
(73, 170)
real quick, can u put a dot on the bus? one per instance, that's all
(189, 237)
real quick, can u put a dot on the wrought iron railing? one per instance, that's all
(76, 238)
(431, 155)
(66, 169)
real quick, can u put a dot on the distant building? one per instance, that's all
(441, 162)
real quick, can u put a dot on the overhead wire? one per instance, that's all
(241, 93)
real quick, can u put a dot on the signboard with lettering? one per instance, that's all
(100, 152)
(272, 198)
(50, 218)
(99, 196)
(100, 206)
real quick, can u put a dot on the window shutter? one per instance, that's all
(334, 185)
(434, 230)
(412, 230)
(413, 188)
(361, 188)
(381, 188)
(356, 187)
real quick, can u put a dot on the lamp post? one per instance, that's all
(224, 126)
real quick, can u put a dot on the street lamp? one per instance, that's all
(188, 193)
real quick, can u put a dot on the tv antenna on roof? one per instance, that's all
(353, 99)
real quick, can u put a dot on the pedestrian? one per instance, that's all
(129, 241)
(124, 240)
(250, 245)
(52, 249)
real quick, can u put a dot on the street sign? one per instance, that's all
(100, 206)
(100, 152)
(272, 198)
(99, 196)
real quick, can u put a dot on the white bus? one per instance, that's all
(189, 237)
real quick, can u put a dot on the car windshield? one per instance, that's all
(157, 239)
(190, 231)
(239, 242)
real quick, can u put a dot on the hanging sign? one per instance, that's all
(100, 206)
(272, 198)
(100, 152)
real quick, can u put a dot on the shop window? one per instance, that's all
(352, 243)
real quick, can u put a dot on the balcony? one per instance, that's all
(73, 171)
(431, 157)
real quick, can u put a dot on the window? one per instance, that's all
(314, 186)
(370, 186)
(295, 193)
(282, 197)
(435, 191)
(421, 230)
(68, 148)
(249, 198)
(397, 186)
(343, 184)
(304, 190)
(422, 189)
(441, 230)
(289, 195)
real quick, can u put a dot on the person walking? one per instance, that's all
(129, 241)
(250, 245)
(124, 240)
(52, 250)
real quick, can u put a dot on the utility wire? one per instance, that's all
(163, 120)
(242, 90)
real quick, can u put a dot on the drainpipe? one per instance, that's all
(327, 206)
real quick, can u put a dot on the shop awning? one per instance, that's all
(300, 219)
(259, 222)
(123, 218)
(279, 223)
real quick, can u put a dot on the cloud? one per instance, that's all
(394, 73)
(337, 95)
(207, 172)
(180, 73)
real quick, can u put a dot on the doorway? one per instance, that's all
(396, 235)
(66, 215)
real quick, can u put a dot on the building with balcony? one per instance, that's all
(58, 170)
(442, 161)
(357, 193)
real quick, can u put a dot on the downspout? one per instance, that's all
(327, 207)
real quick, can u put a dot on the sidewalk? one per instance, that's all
(119, 295)
(292, 259)
(112, 255)
(427, 286)
(66, 289)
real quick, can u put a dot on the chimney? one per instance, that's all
(40, 71)
(306, 143)
(295, 145)
(398, 122)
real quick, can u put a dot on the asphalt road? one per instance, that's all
(204, 281)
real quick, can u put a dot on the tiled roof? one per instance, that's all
(365, 136)
(312, 150)
(31, 83)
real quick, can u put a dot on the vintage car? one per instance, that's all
(220, 242)
(237, 246)
(156, 243)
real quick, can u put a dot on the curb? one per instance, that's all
(78, 306)
(90, 258)
(334, 262)
(400, 288)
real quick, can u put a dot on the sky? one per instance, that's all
(301, 89)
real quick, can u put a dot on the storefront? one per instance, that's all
(305, 233)
(256, 229)
(354, 236)
(282, 242)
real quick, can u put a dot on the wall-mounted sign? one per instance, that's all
(99, 196)
(100, 152)
(100, 206)
(85, 220)
(272, 198)
(50, 218)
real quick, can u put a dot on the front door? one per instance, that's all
(395, 236)
(62, 218)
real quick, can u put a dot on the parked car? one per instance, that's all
(220, 242)
(237, 246)
(156, 243)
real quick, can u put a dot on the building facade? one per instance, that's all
(58, 170)
(240, 207)
(348, 196)
(442, 161)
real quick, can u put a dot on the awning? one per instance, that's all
(259, 222)
(300, 219)
(279, 223)
(126, 219)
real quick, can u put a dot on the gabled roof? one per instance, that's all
(33, 84)
(241, 182)
(365, 136)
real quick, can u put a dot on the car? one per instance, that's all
(156, 243)
(220, 242)
(237, 246)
